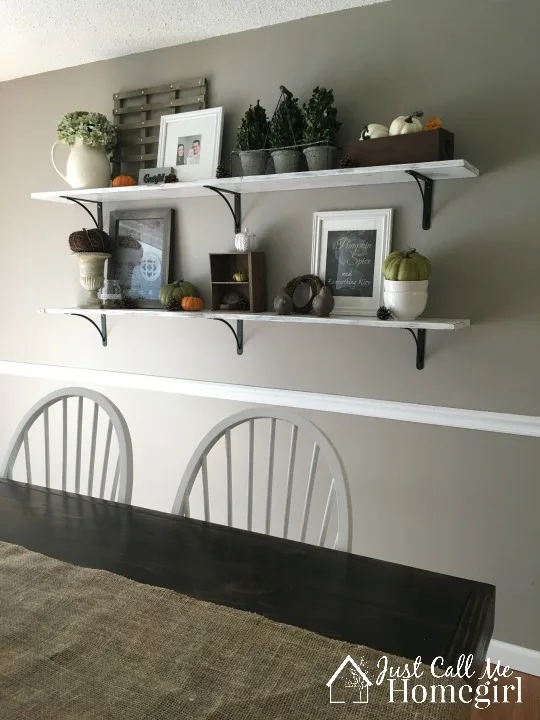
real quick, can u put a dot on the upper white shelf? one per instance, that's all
(350, 177)
(420, 324)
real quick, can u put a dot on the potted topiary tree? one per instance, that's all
(251, 140)
(321, 127)
(286, 130)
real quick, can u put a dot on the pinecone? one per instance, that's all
(346, 162)
(173, 305)
(383, 313)
(170, 178)
(243, 304)
(127, 303)
(222, 172)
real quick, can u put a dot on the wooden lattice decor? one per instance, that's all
(137, 115)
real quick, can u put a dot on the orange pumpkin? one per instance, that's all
(192, 304)
(123, 181)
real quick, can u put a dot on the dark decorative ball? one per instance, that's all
(93, 240)
(232, 299)
(127, 303)
(222, 172)
(170, 178)
(243, 304)
(346, 162)
(315, 285)
(383, 313)
(173, 305)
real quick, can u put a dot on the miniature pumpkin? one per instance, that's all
(373, 131)
(177, 290)
(406, 266)
(433, 123)
(192, 304)
(240, 276)
(123, 181)
(406, 124)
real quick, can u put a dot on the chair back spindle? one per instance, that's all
(293, 485)
(80, 416)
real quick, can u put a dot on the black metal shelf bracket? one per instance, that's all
(420, 342)
(238, 333)
(102, 332)
(236, 211)
(427, 196)
(99, 221)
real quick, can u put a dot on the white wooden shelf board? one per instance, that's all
(356, 320)
(349, 177)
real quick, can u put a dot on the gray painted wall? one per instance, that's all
(449, 500)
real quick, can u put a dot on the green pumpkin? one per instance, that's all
(406, 266)
(177, 290)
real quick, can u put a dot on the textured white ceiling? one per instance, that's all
(41, 35)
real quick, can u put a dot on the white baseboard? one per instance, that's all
(512, 424)
(513, 656)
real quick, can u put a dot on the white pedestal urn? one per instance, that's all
(406, 300)
(92, 275)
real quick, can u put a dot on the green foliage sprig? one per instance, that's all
(320, 117)
(253, 130)
(93, 128)
(287, 126)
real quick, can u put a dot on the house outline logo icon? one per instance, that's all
(358, 679)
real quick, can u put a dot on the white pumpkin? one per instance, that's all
(406, 124)
(372, 131)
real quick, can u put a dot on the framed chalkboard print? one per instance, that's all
(348, 251)
(141, 247)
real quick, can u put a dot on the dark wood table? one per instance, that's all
(392, 608)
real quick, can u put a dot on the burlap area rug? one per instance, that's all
(78, 643)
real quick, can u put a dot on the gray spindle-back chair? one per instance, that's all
(122, 481)
(337, 498)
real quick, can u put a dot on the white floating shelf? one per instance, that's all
(350, 177)
(357, 320)
(420, 326)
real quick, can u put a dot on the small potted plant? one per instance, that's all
(286, 131)
(406, 276)
(91, 138)
(321, 128)
(251, 140)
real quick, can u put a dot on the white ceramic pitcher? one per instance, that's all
(87, 167)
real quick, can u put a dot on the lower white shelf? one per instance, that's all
(420, 326)
(358, 320)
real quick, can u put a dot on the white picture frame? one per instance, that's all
(194, 137)
(348, 250)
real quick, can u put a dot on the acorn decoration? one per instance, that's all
(222, 172)
(93, 240)
(127, 303)
(383, 313)
(173, 305)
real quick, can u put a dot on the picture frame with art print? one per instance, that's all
(141, 249)
(347, 254)
(191, 143)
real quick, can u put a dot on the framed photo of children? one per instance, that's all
(347, 253)
(141, 246)
(191, 142)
